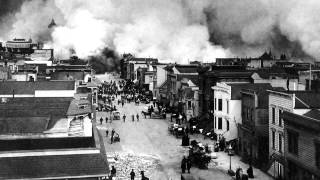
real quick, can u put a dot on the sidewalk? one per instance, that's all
(222, 163)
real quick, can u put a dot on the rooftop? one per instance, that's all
(258, 88)
(186, 68)
(309, 120)
(55, 166)
(26, 87)
(304, 99)
(31, 115)
(261, 91)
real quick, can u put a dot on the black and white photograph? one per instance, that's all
(159, 89)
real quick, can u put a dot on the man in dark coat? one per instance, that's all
(113, 171)
(124, 117)
(183, 164)
(137, 117)
(250, 172)
(188, 164)
(101, 120)
(112, 134)
(132, 175)
(106, 119)
(132, 118)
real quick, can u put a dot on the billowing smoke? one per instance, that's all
(250, 27)
(169, 30)
(172, 30)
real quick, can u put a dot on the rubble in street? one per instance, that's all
(125, 162)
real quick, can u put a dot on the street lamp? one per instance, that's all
(230, 153)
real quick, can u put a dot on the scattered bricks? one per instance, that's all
(124, 163)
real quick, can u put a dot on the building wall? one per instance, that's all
(233, 117)
(279, 82)
(55, 93)
(161, 75)
(279, 102)
(306, 149)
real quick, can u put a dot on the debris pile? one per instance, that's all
(125, 162)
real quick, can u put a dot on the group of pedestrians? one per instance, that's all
(132, 116)
(112, 135)
(101, 120)
(132, 174)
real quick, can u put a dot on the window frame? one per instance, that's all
(220, 104)
(293, 143)
(228, 125)
(280, 146)
(219, 123)
(215, 103)
(228, 106)
(280, 118)
(273, 139)
(273, 115)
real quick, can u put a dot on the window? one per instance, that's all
(280, 117)
(219, 104)
(293, 142)
(215, 122)
(227, 106)
(227, 125)
(189, 104)
(280, 143)
(219, 123)
(273, 116)
(215, 103)
(273, 139)
(248, 114)
(317, 155)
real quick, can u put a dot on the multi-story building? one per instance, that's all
(254, 132)
(218, 74)
(176, 74)
(302, 145)
(298, 102)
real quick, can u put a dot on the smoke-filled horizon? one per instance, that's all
(170, 30)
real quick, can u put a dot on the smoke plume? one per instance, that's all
(171, 30)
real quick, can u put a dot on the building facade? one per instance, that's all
(302, 145)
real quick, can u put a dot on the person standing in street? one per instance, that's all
(106, 119)
(188, 164)
(132, 117)
(101, 120)
(183, 164)
(132, 175)
(107, 132)
(137, 117)
(124, 117)
(113, 171)
(112, 134)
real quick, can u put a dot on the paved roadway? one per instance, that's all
(144, 139)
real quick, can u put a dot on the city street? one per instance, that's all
(148, 138)
(148, 141)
